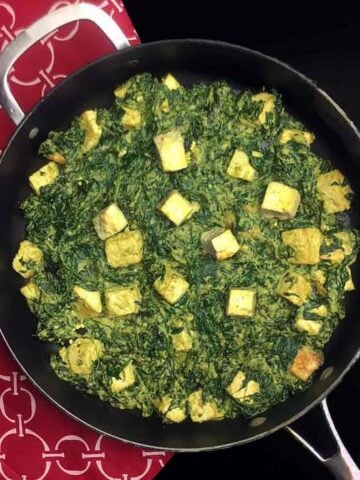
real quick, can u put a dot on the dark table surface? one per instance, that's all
(321, 40)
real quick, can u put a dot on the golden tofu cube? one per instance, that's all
(306, 362)
(240, 393)
(240, 167)
(125, 380)
(294, 287)
(241, 302)
(28, 260)
(46, 175)
(182, 342)
(305, 243)
(172, 287)
(280, 201)
(122, 300)
(268, 105)
(321, 311)
(131, 118)
(124, 248)
(56, 157)
(88, 302)
(30, 291)
(349, 284)
(236, 384)
(334, 191)
(122, 89)
(170, 147)
(109, 221)
(176, 415)
(93, 131)
(170, 82)
(220, 243)
(81, 355)
(311, 327)
(177, 208)
(201, 411)
(299, 136)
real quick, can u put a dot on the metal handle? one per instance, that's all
(41, 28)
(324, 442)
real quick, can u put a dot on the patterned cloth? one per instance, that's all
(38, 441)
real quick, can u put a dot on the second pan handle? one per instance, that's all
(41, 28)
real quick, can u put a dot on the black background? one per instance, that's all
(322, 40)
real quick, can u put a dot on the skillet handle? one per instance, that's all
(323, 441)
(41, 28)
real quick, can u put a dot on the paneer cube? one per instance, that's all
(201, 411)
(172, 287)
(334, 191)
(46, 175)
(122, 89)
(28, 260)
(319, 279)
(123, 249)
(220, 243)
(294, 287)
(109, 221)
(306, 362)
(170, 82)
(176, 415)
(125, 380)
(122, 300)
(242, 393)
(30, 291)
(311, 327)
(81, 355)
(240, 167)
(131, 118)
(320, 311)
(305, 243)
(293, 135)
(280, 201)
(88, 303)
(241, 302)
(268, 105)
(93, 131)
(171, 150)
(182, 342)
(349, 284)
(56, 157)
(236, 384)
(177, 208)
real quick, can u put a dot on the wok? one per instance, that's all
(191, 61)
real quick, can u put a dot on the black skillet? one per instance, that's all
(191, 61)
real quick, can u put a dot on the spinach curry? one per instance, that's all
(184, 251)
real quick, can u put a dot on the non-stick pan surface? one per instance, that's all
(191, 61)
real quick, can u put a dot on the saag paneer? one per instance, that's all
(184, 252)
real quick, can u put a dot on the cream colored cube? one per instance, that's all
(305, 243)
(268, 100)
(171, 150)
(311, 327)
(241, 302)
(109, 221)
(176, 415)
(334, 191)
(122, 300)
(182, 342)
(320, 311)
(242, 393)
(93, 131)
(349, 284)
(122, 89)
(172, 287)
(305, 363)
(125, 380)
(81, 355)
(177, 208)
(131, 118)
(30, 291)
(46, 175)
(294, 287)
(280, 201)
(240, 167)
(299, 136)
(124, 248)
(28, 260)
(56, 157)
(201, 411)
(236, 384)
(88, 302)
(220, 243)
(170, 82)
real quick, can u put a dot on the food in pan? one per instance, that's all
(185, 251)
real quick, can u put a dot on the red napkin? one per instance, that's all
(38, 441)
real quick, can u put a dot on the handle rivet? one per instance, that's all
(33, 133)
(326, 373)
(256, 422)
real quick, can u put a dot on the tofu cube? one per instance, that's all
(306, 362)
(131, 118)
(176, 415)
(201, 411)
(122, 89)
(182, 342)
(294, 287)
(46, 175)
(311, 327)
(306, 243)
(287, 135)
(239, 167)
(243, 394)
(122, 300)
(177, 209)
(280, 201)
(88, 302)
(93, 131)
(349, 284)
(321, 311)
(268, 105)
(109, 221)
(28, 260)
(56, 157)
(170, 82)
(125, 380)
(124, 248)
(220, 243)
(334, 191)
(241, 302)
(171, 150)
(30, 291)
(236, 384)
(81, 355)
(172, 287)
